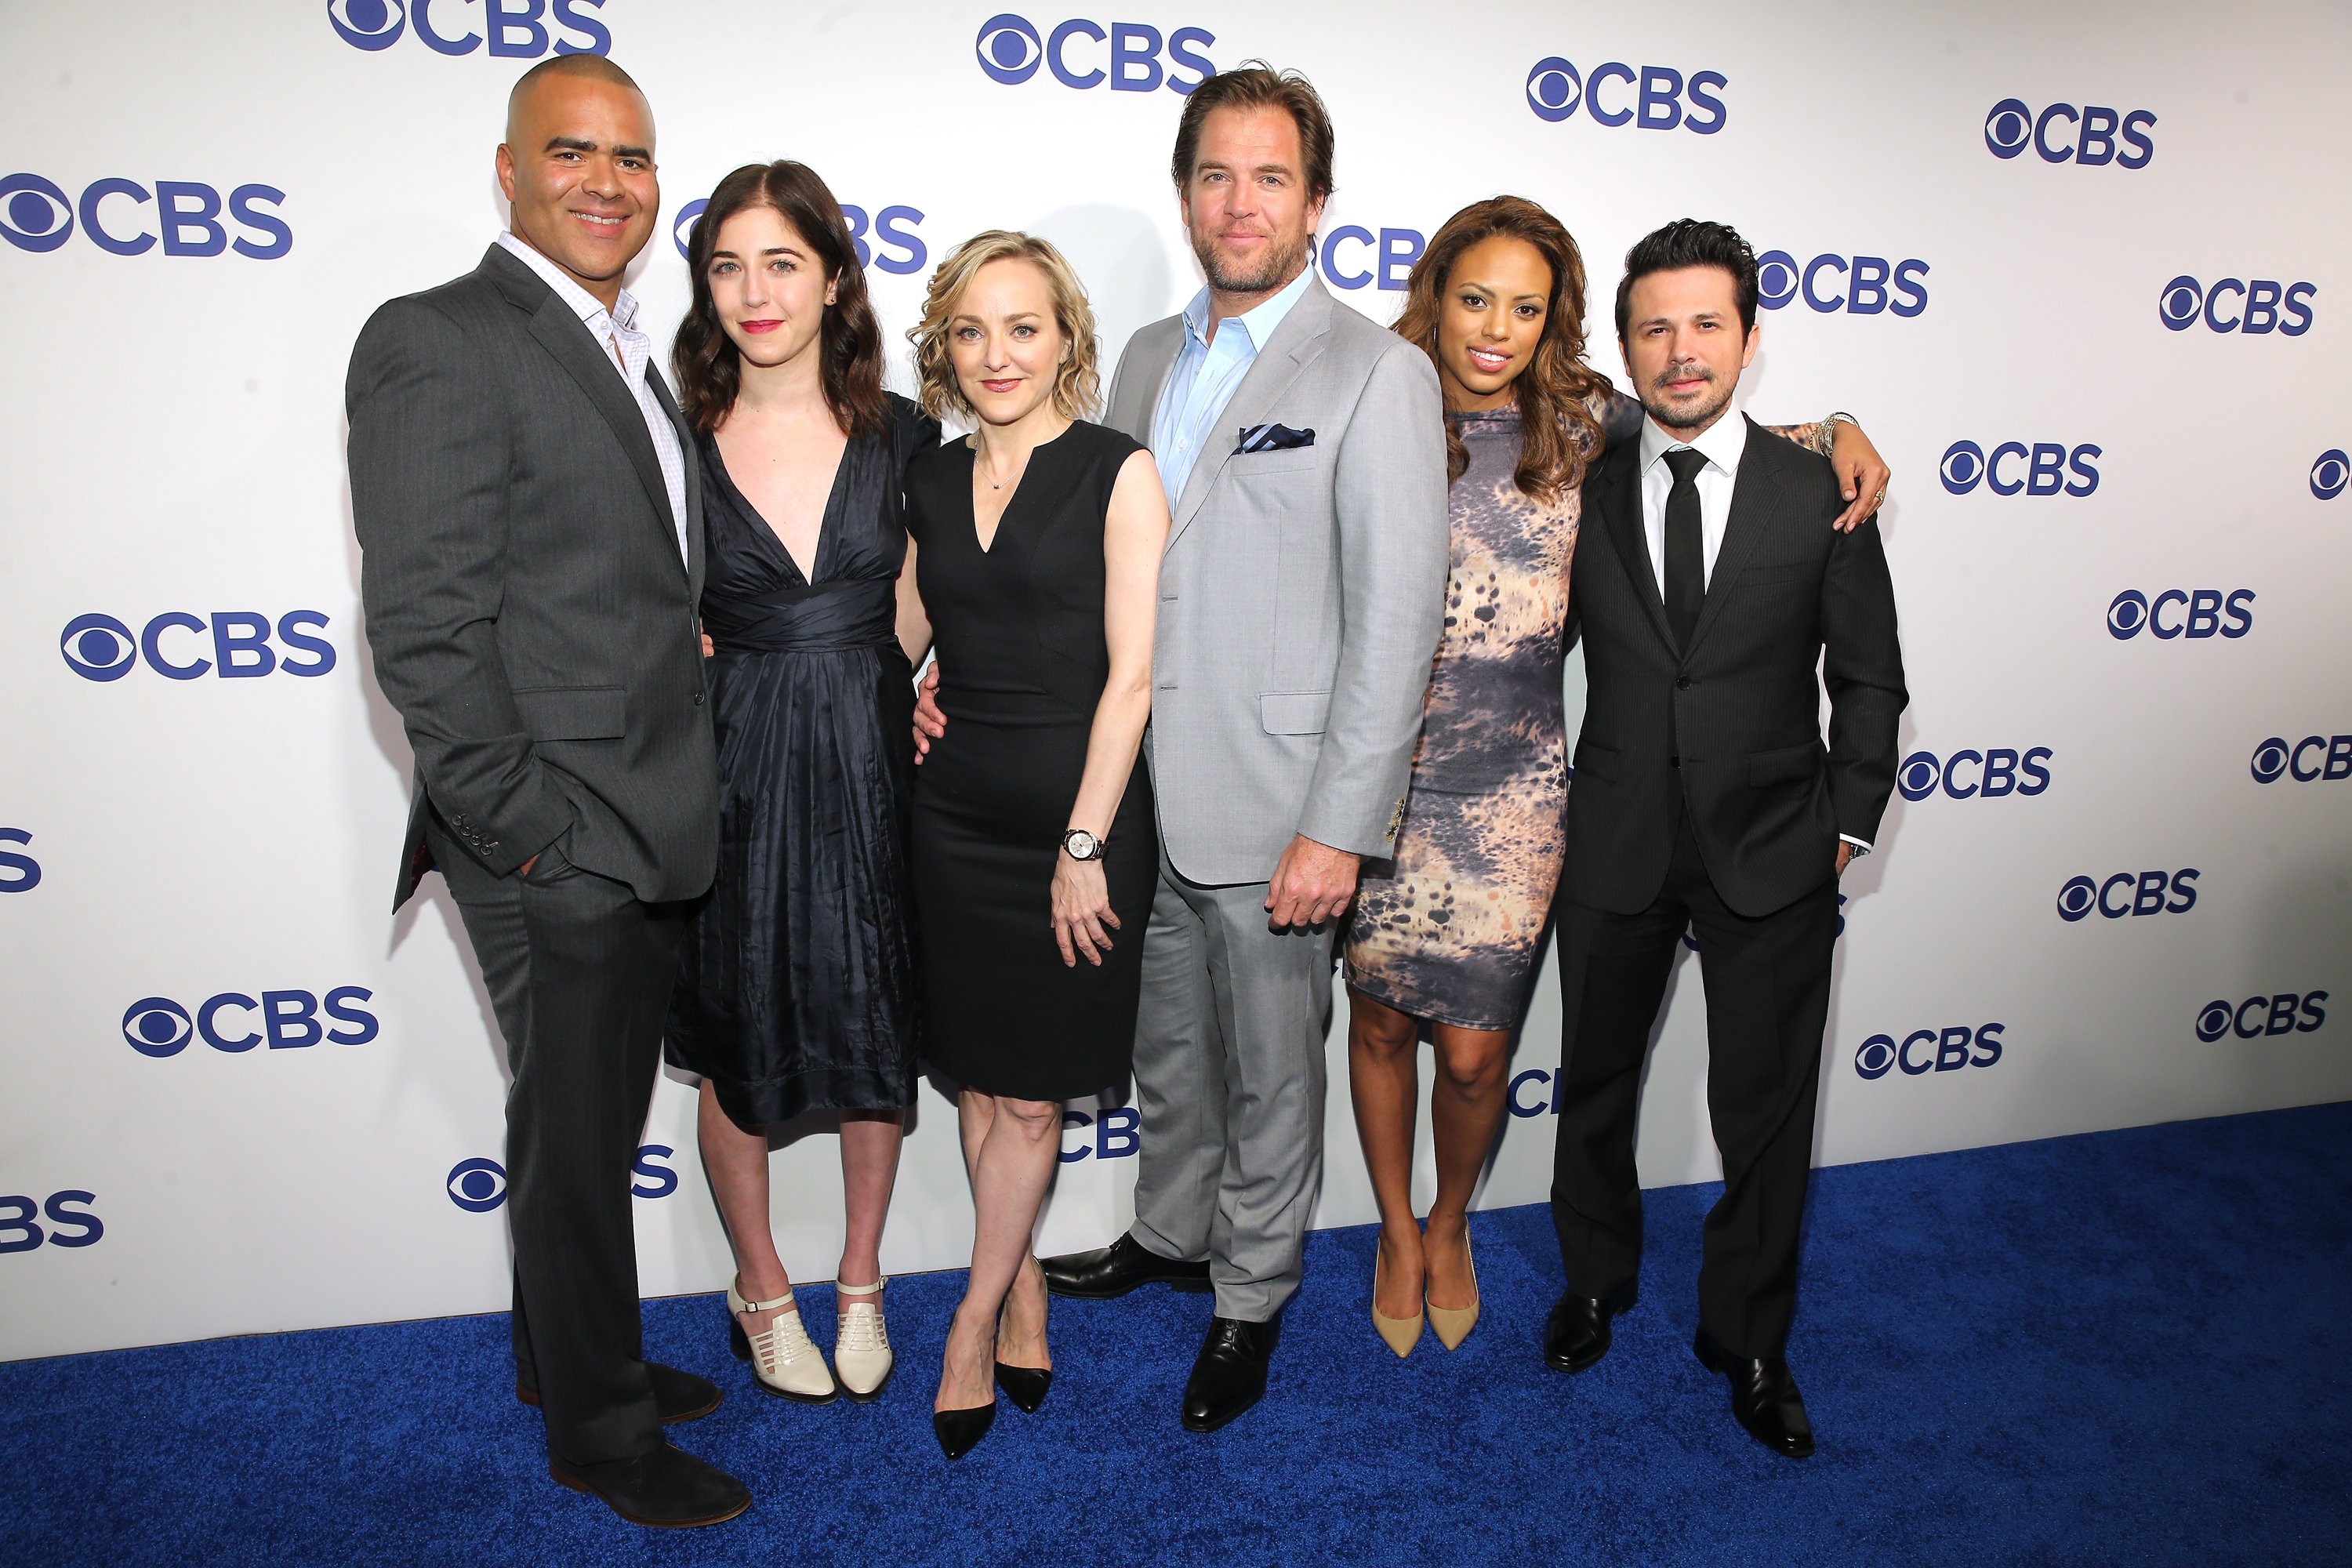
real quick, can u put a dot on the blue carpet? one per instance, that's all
(2131, 1347)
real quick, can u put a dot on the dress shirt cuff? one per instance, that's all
(1860, 848)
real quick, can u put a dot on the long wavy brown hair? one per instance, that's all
(1557, 392)
(710, 371)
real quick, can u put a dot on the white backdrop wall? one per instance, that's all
(2091, 249)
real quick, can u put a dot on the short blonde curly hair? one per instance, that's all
(1077, 387)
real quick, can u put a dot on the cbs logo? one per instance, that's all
(99, 647)
(2286, 1013)
(2208, 614)
(2266, 306)
(2062, 133)
(1393, 252)
(2329, 473)
(70, 1222)
(1545, 1085)
(1995, 772)
(1967, 465)
(1117, 1133)
(477, 1186)
(1556, 91)
(36, 215)
(892, 226)
(158, 1027)
(2144, 893)
(2274, 758)
(18, 873)
(1010, 50)
(512, 28)
(1779, 279)
(1929, 1051)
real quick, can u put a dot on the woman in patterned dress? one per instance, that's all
(1446, 935)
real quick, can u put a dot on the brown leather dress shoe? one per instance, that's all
(667, 1489)
(677, 1396)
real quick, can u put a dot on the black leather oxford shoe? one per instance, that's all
(1229, 1374)
(677, 1396)
(1576, 1334)
(1115, 1269)
(1763, 1396)
(665, 1489)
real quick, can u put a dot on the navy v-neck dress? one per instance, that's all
(797, 985)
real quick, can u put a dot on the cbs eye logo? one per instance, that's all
(2329, 473)
(1780, 279)
(2289, 1012)
(1996, 771)
(478, 1186)
(512, 28)
(2314, 757)
(99, 647)
(2207, 613)
(36, 215)
(2089, 137)
(1010, 50)
(2143, 892)
(1556, 90)
(158, 1027)
(892, 226)
(2263, 306)
(1929, 1051)
(1967, 465)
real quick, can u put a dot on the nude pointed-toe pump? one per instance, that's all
(1402, 1333)
(1451, 1325)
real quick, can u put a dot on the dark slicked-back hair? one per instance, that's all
(1691, 242)
(1258, 85)
(710, 371)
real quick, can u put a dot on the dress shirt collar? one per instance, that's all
(586, 306)
(1258, 323)
(1721, 443)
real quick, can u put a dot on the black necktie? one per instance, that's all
(1686, 585)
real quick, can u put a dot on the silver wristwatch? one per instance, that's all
(1080, 845)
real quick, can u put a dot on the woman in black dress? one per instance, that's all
(1037, 546)
(796, 990)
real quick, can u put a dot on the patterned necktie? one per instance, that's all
(1686, 585)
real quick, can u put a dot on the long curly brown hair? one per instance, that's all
(1557, 392)
(710, 371)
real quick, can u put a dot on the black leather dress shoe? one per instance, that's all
(677, 1396)
(960, 1431)
(1763, 1396)
(1576, 1334)
(665, 1489)
(1115, 1269)
(1229, 1374)
(1025, 1385)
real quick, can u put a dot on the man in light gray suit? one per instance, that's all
(1303, 450)
(533, 537)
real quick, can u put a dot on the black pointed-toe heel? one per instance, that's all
(960, 1431)
(1025, 1385)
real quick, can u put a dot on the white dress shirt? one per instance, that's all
(1722, 443)
(1205, 377)
(631, 355)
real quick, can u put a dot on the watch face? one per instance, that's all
(1080, 844)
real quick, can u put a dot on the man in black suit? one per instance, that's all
(533, 540)
(1711, 587)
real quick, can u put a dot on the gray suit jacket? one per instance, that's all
(1301, 595)
(526, 605)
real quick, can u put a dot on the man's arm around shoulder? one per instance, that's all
(430, 466)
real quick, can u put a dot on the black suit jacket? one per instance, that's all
(528, 613)
(1728, 729)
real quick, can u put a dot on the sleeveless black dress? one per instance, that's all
(1022, 663)
(796, 986)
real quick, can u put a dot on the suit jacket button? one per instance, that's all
(698, 700)
(1682, 683)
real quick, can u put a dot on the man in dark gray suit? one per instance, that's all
(1711, 589)
(533, 540)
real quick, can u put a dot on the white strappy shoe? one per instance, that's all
(861, 1350)
(784, 1360)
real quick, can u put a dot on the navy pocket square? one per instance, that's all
(1273, 439)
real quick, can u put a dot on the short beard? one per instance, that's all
(1278, 266)
(1655, 404)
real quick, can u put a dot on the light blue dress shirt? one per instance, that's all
(1204, 378)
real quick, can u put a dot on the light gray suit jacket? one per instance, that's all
(1301, 597)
